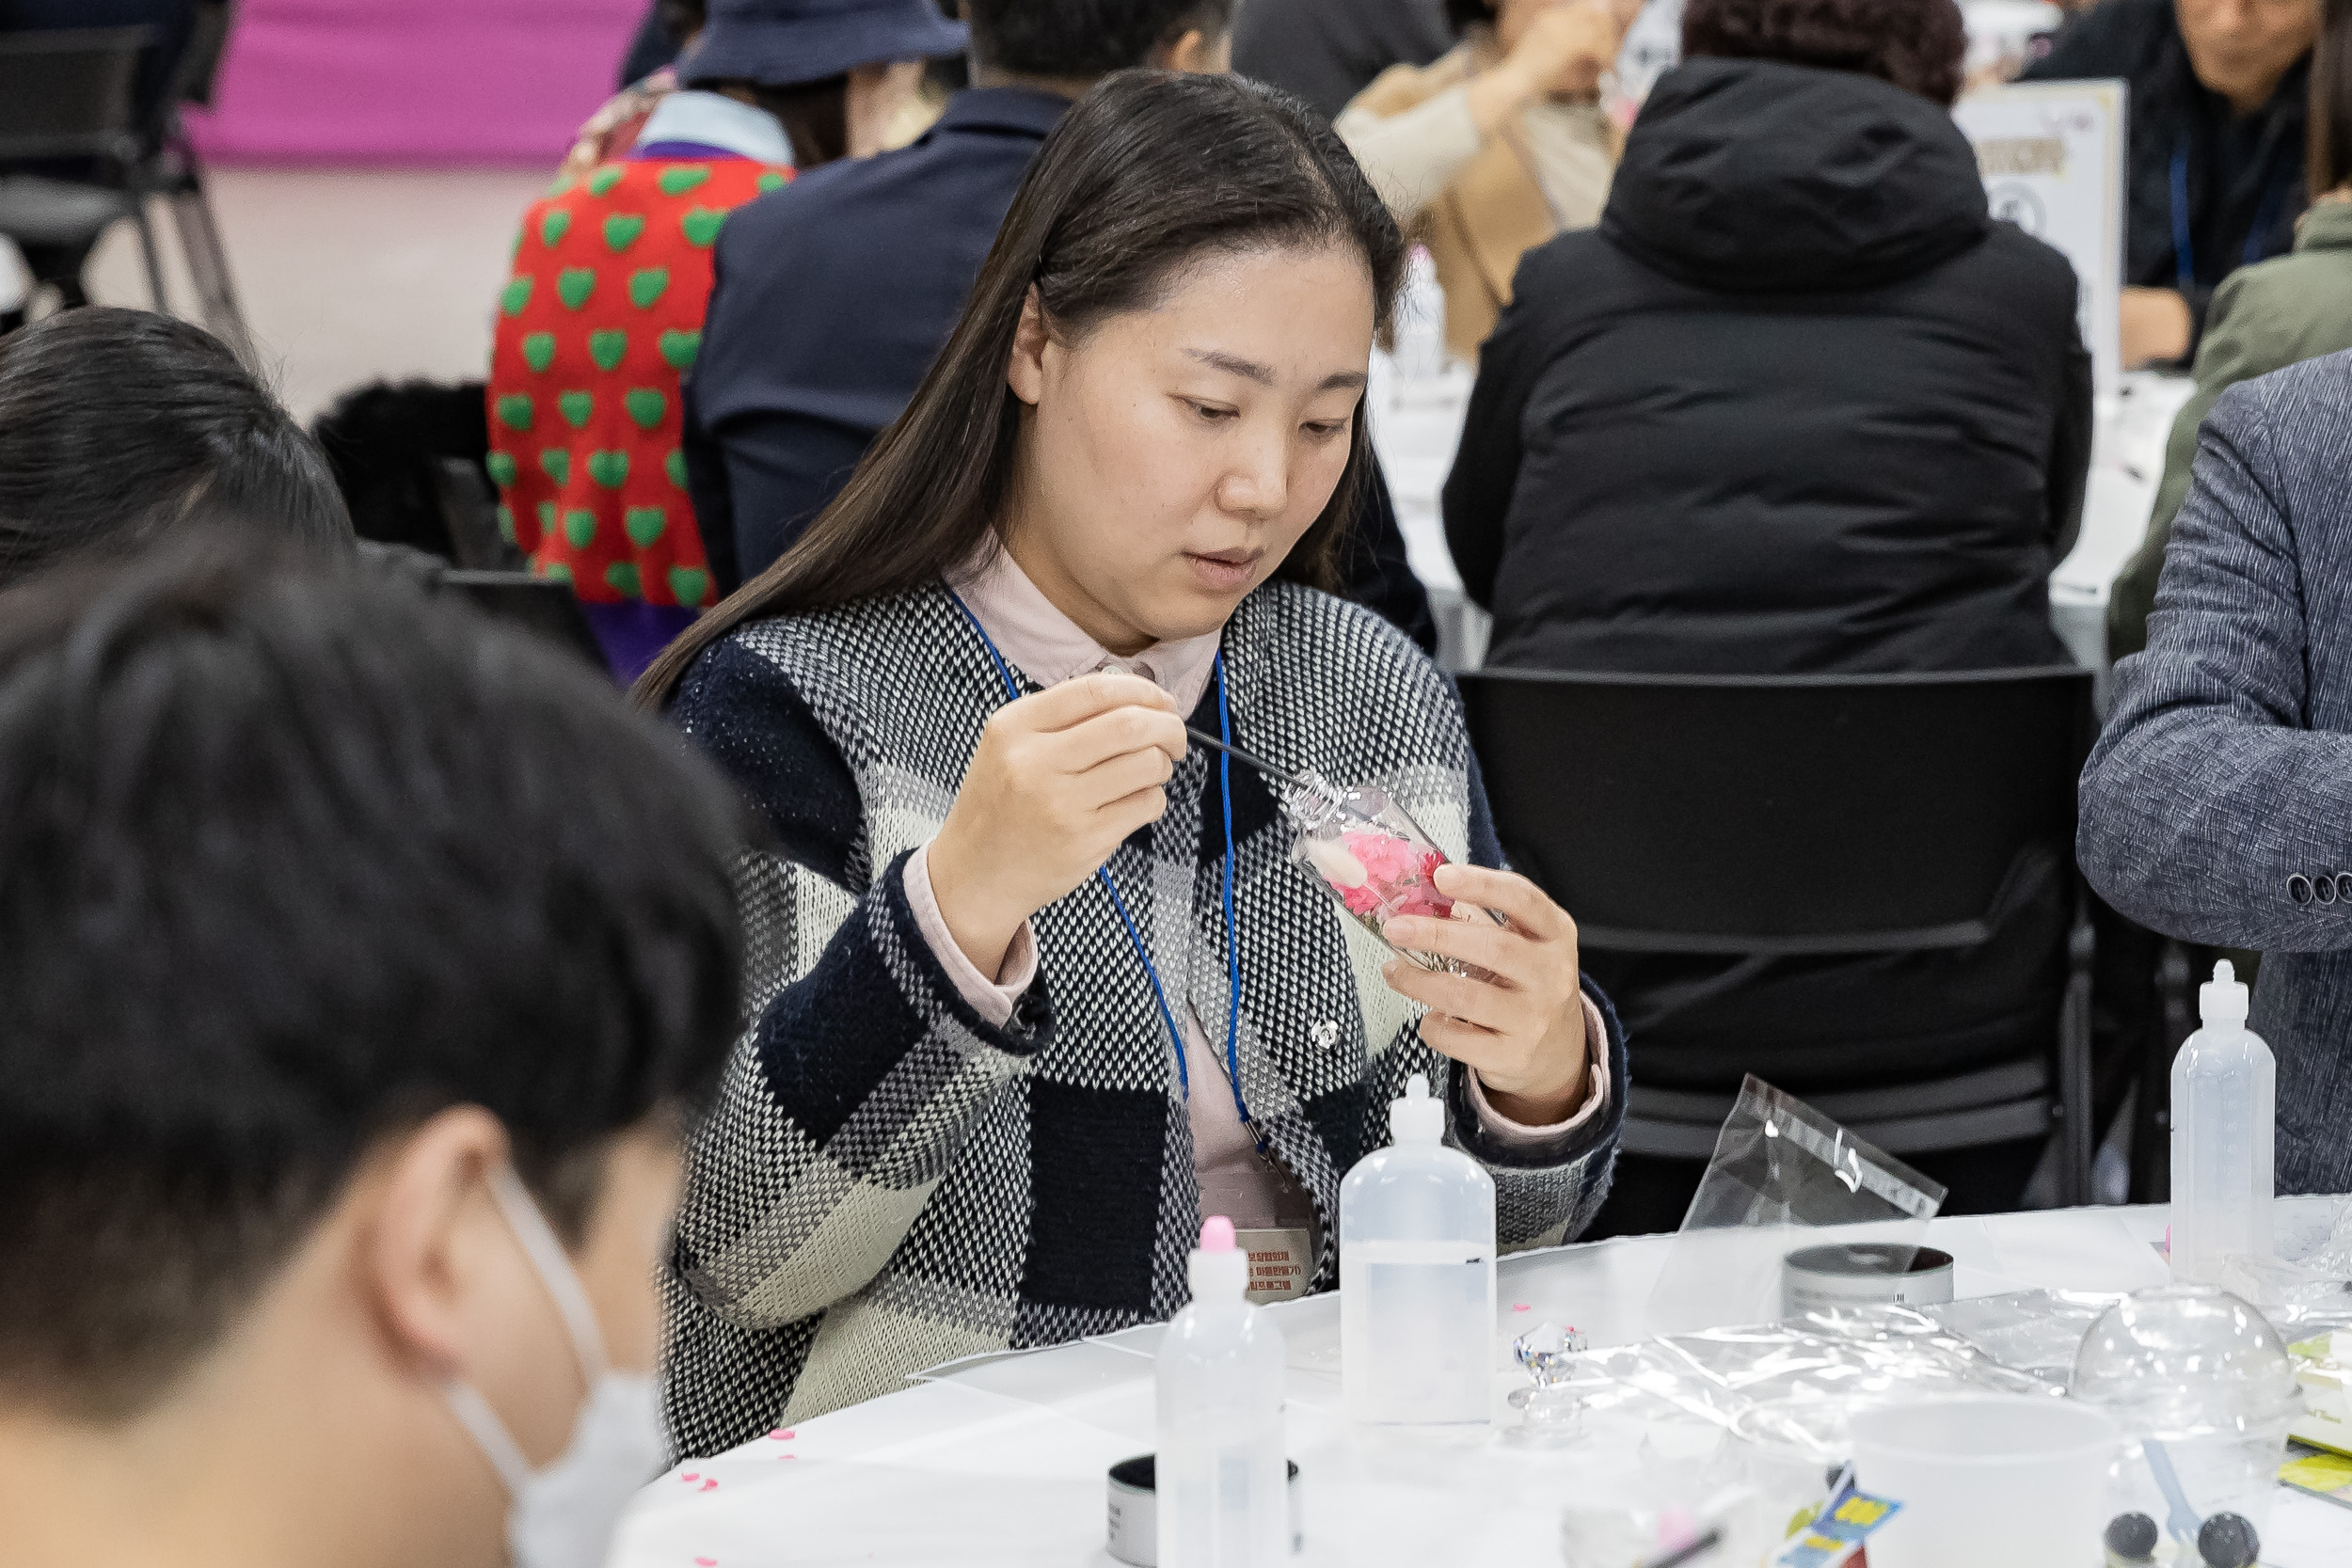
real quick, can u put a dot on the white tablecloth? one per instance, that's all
(1416, 428)
(1002, 1461)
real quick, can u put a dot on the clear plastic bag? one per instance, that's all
(1784, 1176)
(1781, 1396)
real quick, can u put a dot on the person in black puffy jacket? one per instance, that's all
(1797, 405)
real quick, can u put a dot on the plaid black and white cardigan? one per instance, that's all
(886, 1180)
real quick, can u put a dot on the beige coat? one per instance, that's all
(1478, 203)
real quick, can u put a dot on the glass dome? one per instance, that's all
(2203, 1393)
(2185, 1361)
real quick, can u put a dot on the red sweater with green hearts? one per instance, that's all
(602, 314)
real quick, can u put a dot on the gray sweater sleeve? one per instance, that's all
(2207, 792)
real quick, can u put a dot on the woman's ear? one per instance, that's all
(428, 1208)
(1025, 371)
(1200, 53)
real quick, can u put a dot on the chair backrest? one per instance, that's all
(70, 91)
(1786, 815)
(470, 507)
(535, 604)
(199, 63)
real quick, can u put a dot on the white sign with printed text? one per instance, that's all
(2051, 155)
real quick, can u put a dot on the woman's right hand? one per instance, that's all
(1563, 51)
(1057, 782)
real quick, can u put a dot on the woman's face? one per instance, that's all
(1173, 456)
(2241, 48)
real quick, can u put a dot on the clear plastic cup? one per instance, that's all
(2203, 1392)
(1999, 1478)
(1791, 1449)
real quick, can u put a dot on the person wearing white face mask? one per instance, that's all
(334, 1166)
(564, 1513)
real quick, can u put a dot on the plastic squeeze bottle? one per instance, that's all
(2224, 1113)
(1417, 1275)
(1220, 1473)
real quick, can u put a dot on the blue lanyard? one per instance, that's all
(2185, 249)
(1135, 937)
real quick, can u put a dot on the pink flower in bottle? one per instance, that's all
(1397, 878)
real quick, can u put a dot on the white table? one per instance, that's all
(1002, 1461)
(1416, 426)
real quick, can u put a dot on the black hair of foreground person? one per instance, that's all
(1920, 49)
(290, 861)
(1122, 194)
(119, 428)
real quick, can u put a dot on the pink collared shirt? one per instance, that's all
(1047, 646)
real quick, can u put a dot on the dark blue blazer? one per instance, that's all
(830, 298)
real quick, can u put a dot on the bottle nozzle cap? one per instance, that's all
(1417, 1117)
(2222, 999)
(1218, 1269)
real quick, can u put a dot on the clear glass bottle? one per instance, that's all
(1374, 859)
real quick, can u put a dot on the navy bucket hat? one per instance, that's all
(781, 44)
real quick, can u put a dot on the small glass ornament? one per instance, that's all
(1552, 1414)
(1372, 856)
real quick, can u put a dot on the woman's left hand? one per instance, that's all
(1523, 1029)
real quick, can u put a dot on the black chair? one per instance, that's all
(534, 604)
(1785, 815)
(176, 172)
(71, 94)
(469, 506)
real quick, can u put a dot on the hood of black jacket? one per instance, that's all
(1756, 176)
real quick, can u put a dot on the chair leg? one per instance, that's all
(208, 259)
(2078, 1132)
(153, 257)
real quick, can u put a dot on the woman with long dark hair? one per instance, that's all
(1034, 985)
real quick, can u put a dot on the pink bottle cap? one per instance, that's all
(1216, 1234)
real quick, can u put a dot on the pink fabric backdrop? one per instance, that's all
(413, 81)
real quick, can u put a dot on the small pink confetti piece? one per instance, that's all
(705, 1562)
(692, 1475)
(788, 1456)
(710, 1485)
(783, 1434)
(1521, 1307)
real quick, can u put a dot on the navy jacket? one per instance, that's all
(831, 296)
